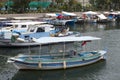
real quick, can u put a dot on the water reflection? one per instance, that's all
(90, 27)
(86, 73)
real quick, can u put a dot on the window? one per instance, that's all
(40, 30)
(23, 26)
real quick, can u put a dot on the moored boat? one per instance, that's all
(59, 60)
(25, 39)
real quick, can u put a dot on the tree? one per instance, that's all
(72, 4)
(105, 4)
(115, 4)
(20, 6)
(1, 4)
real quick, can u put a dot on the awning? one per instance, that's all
(101, 16)
(90, 12)
(68, 13)
(45, 40)
(9, 3)
(51, 14)
(35, 4)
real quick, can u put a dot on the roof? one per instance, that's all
(1, 18)
(43, 4)
(45, 40)
(26, 23)
(101, 16)
(90, 12)
(51, 14)
(25, 18)
(68, 13)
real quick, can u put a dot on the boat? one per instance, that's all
(63, 18)
(72, 16)
(16, 26)
(89, 16)
(101, 18)
(94, 17)
(63, 58)
(111, 16)
(25, 39)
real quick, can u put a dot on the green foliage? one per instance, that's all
(20, 6)
(23, 6)
(105, 4)
(1, 4)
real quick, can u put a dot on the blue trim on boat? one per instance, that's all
(57, 64)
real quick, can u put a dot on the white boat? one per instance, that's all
(62, 18)
(102, 18)
(25, 39)
(20, 26)
(72, 16)
(62, 59)
(111, 16)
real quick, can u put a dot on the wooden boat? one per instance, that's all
(60, 60)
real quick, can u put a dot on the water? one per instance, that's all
(103, 70)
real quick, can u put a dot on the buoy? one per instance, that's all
(34, 39)
(20, 40)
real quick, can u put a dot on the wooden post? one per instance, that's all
(64, 64)
(40, 65)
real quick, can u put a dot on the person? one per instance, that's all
(60, 17)
(72, 53)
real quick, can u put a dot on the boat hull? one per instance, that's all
(52, 66)
(56, 65)
(8, 43)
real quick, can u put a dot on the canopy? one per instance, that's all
(1, 18)
(101, 16)
(118, 12)
(22, 18)
(51, 14)
(90, 12)
(9, 3)
(35, 4)
(26, 23)
(45, 40)
(68, 13)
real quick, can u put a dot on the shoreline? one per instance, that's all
(79, 14)
(30, 15)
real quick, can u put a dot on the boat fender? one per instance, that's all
(33, 39)
(64, 64)
(40, 65)
(20, 40)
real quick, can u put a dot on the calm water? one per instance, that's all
(103, 70)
